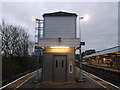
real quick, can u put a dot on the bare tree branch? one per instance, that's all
(15, 40)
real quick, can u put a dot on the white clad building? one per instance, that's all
(59, 42)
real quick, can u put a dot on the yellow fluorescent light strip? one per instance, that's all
(58, 47)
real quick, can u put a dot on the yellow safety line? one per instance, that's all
(23, 82)
(96, 82)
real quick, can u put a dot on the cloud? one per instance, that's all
(99, 32)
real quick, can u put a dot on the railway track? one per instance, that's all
(108, 75)
(5, 82)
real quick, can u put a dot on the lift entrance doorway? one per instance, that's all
(59, 68)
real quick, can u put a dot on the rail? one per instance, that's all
(108, 75)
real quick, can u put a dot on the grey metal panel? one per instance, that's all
(61, 26)
(72, 42)
(106, 51)
(48, 64)
(71, 76)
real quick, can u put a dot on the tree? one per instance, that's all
(15, 40)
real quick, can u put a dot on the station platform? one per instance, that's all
(106, 67)
(89, 82)
(86, 83)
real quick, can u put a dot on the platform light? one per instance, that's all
(33, 19)
(59, 47)
(86, 17)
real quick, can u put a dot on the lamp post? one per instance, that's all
(85, 18)
(80, 60)
(38, 36)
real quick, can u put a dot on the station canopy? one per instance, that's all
(115, 49)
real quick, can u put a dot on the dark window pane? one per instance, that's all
(56, 63)
(62, 63)
(70, 68)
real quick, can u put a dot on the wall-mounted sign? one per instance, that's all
(82, 43)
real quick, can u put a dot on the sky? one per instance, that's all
(99, 32)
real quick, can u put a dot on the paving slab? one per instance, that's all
(86, 83)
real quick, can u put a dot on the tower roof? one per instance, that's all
(60, 13)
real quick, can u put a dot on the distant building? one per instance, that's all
(108, 57)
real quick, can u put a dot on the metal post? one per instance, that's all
(42, 76)
(37, 63)
(37, 66)
(80, 79)
(80, 61)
